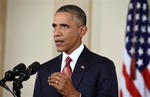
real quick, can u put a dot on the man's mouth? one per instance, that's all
(58, 42)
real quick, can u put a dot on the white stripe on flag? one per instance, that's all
(140, 85)
(123, 88)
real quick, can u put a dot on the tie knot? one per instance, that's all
(68, 60)
(67, 69)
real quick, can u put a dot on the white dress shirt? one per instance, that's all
(74, 56)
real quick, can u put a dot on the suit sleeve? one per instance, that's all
(107, 85)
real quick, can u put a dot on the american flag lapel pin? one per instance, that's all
(82, 67)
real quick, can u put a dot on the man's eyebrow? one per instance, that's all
(64, 25)
(54, 25)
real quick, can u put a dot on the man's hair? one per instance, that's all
(76, 11)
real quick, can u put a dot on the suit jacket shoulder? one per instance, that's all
(94, 75)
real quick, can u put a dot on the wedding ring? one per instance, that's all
(57, 82)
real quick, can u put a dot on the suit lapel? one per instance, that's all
(80, 68)
(56, 68)
(58, 65)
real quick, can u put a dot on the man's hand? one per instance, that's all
(63, 83)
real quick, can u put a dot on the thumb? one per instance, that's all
(66, 71)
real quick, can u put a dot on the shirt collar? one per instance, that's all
(74, 55)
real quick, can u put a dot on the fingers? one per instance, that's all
(58, 80)
(62, 83)
(58, 76)
(56, 83)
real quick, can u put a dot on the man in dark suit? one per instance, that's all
(86, 74)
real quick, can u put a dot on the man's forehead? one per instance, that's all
(63, 17)
(63, 14)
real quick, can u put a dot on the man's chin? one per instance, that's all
(60, 50)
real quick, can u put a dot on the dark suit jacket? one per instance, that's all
(93, 76)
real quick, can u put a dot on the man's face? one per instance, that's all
(67, 33)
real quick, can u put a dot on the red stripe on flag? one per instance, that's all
(121, 94)
(130, 85)
(146, 76)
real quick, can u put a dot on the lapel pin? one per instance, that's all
(82, 67)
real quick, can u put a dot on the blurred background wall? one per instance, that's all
(26, 33)
(2, 36)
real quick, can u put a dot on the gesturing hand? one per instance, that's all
(63, 83)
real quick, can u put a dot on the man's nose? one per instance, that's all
(57, 31)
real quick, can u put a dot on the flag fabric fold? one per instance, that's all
(135, 78)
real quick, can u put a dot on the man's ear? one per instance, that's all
(83, 30)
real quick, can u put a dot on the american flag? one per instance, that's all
(135, 78)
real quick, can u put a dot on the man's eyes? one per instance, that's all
(54, 25)
(65, 26)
